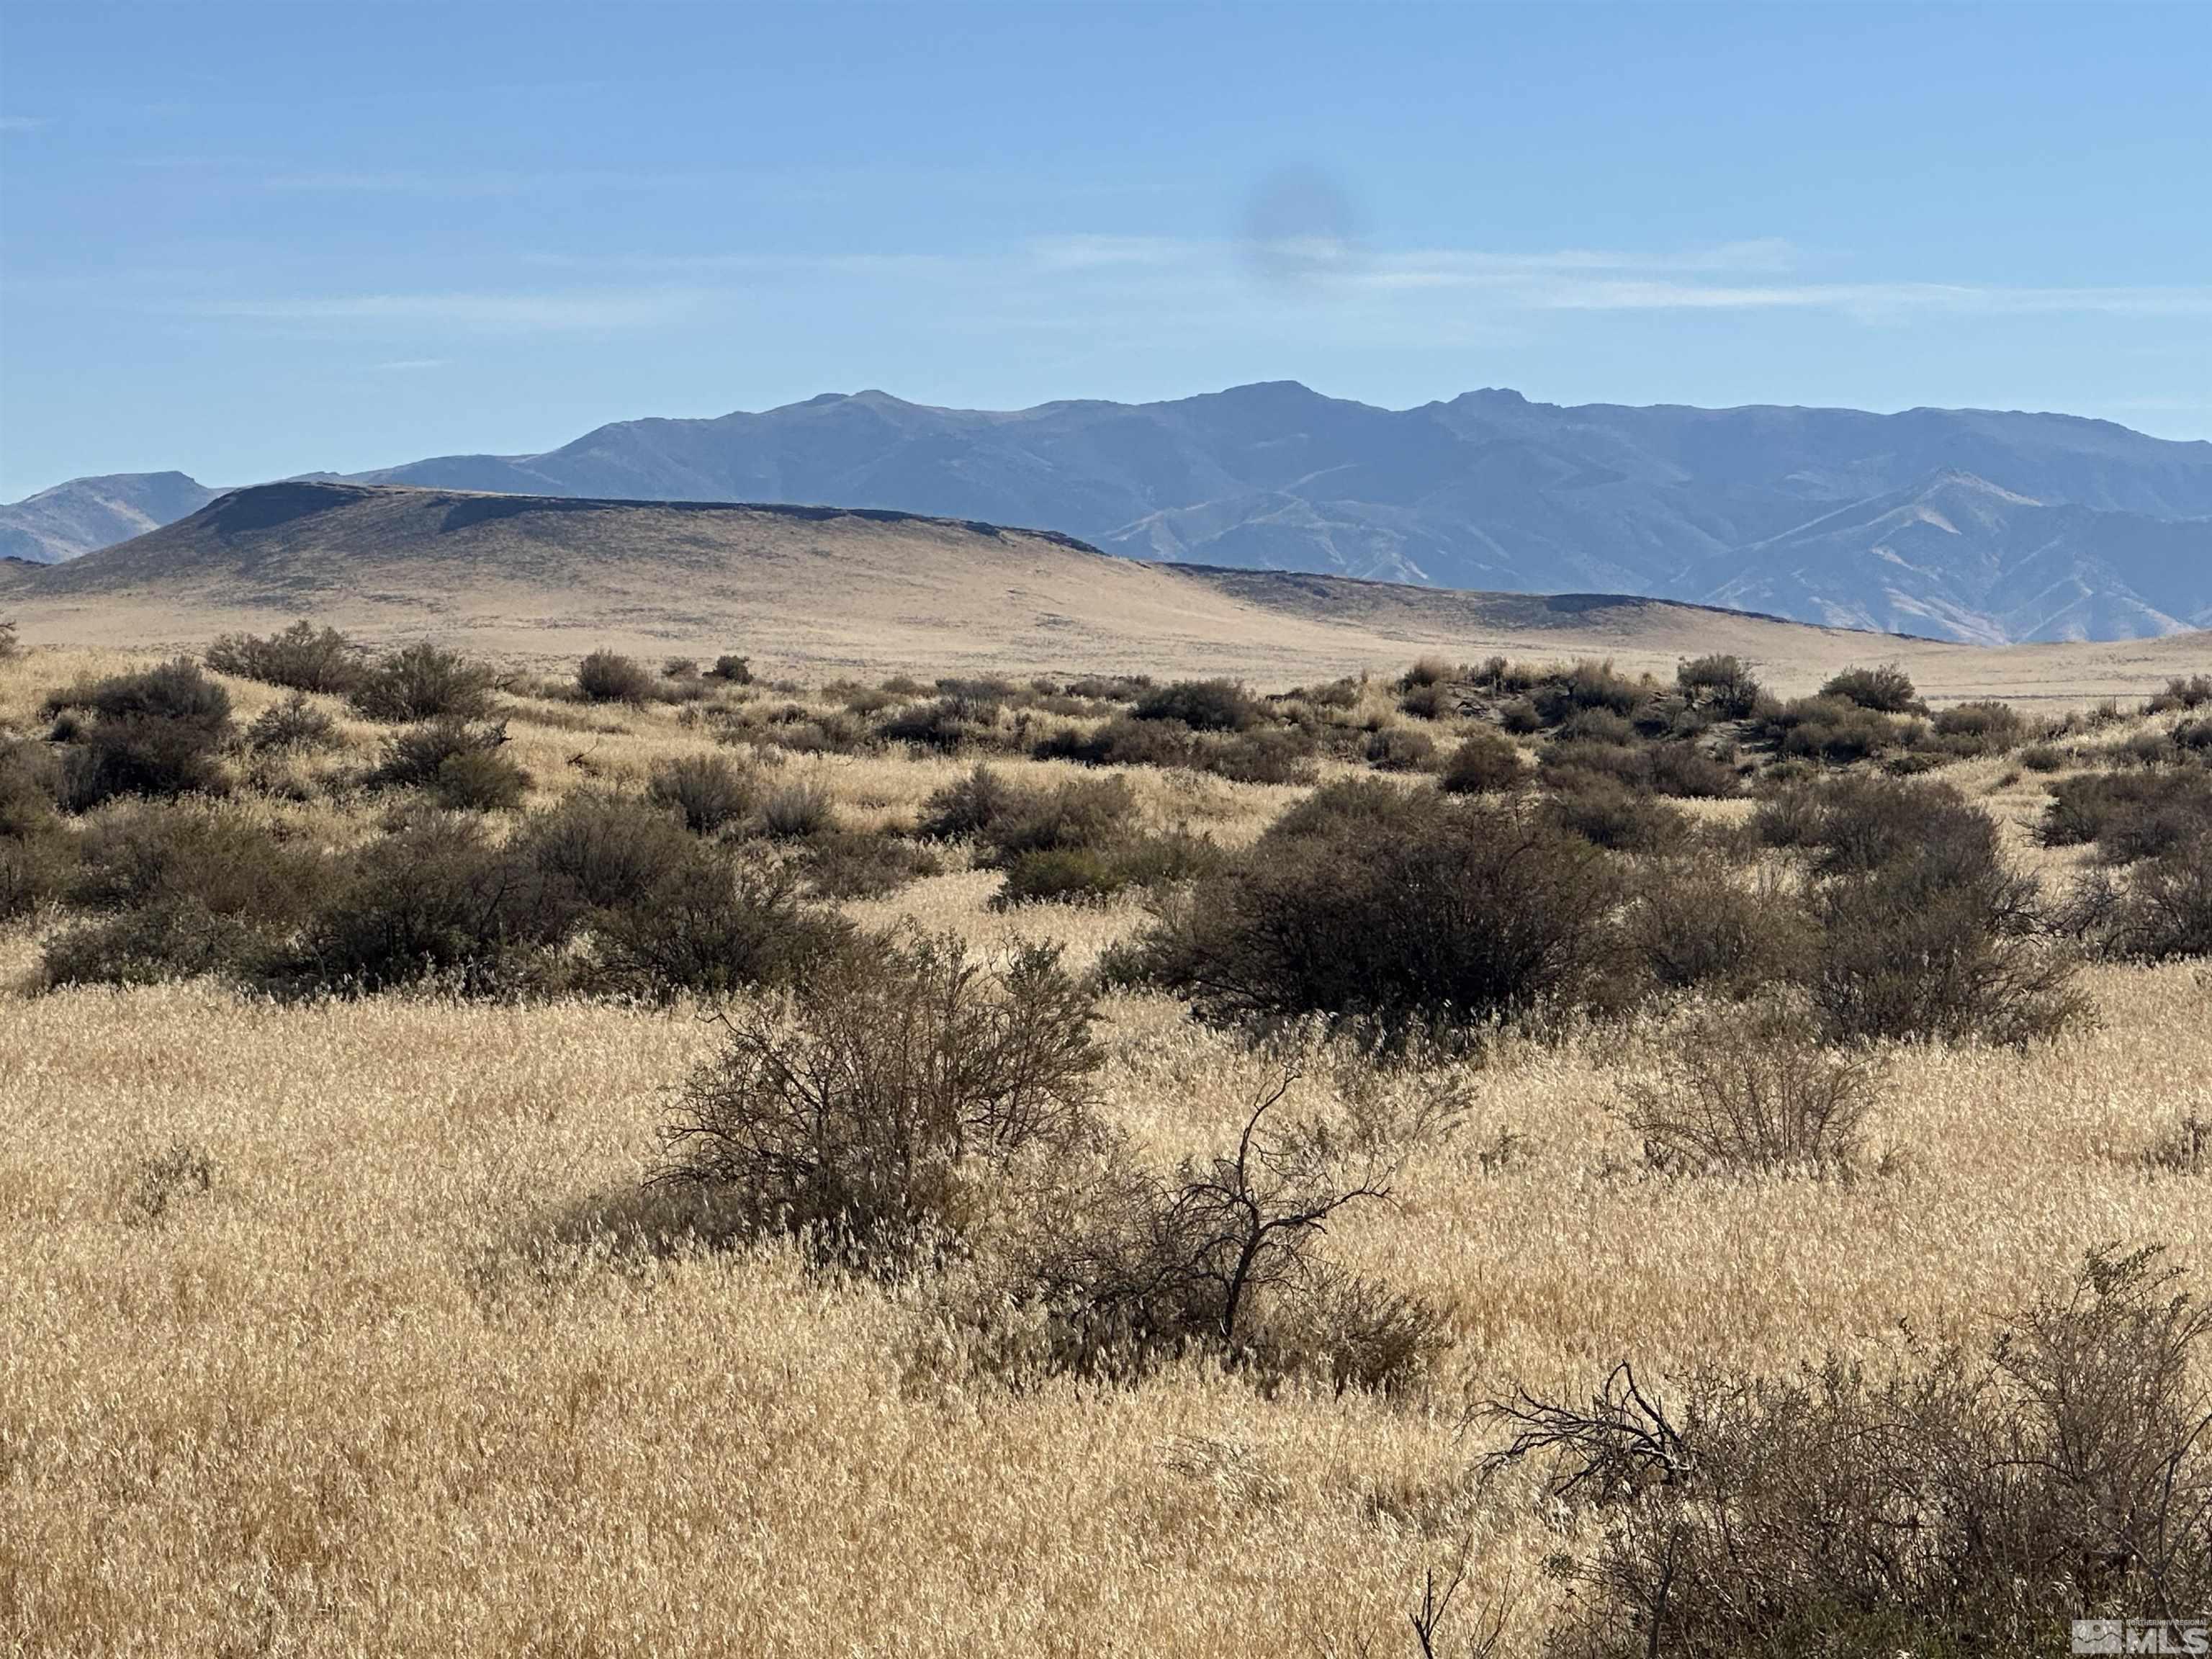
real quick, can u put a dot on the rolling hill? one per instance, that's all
(1975, 525)
(818, 589)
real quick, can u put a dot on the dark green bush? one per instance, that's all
(793, 812)
(1202, 706)
(228, 863)
(159, 733)
(293, 723)
(1521, 718)
(1943, 941)
(608, 676)
(2193, 692)
(719, 924)
(1401, 749)
(479, 781)
(423, 683)
(1394, 911)
(302, 657)
(709, 792)
(1484, 763)
(1271, 755)
(2162, 910)
(595, 852)
(1833, 729)
(170, 940)
(947, 724)
(2129, 814)
(1084, 873)
(1127, 741)
(857, 864)
(1723, 684)
(433, 901)
(458, 762)
(1697, 925)
(1611, 814)
(1886, 690)
(733, 670)
(1979, 728)
(969, 806)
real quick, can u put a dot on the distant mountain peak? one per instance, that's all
(1968, 524)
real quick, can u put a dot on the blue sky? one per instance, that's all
(250, 240)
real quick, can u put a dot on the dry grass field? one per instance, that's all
(343, 1325)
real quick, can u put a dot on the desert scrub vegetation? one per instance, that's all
(1198, 1358)
(1948, 1501)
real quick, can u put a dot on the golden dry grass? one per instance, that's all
(395, 1382)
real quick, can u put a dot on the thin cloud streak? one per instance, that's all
(499, 312)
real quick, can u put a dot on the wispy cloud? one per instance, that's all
(24, 122)
(1079, 283)
(491, 312)
(405, 365)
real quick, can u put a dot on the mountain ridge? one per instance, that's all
(1486, 490)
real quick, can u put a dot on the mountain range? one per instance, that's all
(1975, 525)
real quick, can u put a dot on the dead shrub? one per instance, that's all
(896, 1080)
(1738, 1088)
(303, 658)
(1951, 1503)
(157, 1181)
(1110, 1267)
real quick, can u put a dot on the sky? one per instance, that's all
(245, 241)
